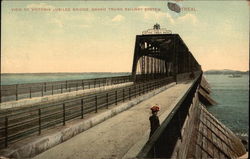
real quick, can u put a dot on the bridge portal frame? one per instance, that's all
(162, 55)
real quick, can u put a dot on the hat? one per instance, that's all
(155, 108)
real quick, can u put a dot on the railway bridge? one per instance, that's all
(108, 117)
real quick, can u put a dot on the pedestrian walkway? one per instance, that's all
(115, 137)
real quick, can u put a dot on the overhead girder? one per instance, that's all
(162, 54)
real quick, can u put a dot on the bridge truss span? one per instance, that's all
(162, 55)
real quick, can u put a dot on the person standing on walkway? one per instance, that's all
(154, 120)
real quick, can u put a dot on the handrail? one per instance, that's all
(154, 138)
(29, 90)
(91, 94)
(36, 117)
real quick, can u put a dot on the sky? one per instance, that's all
(36, 39)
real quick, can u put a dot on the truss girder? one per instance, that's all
(164, 54)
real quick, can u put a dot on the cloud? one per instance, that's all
(118, 18)
(226, 29)
(156, 15)
(63, 19)
(188, 18)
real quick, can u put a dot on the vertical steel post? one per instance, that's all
(136, 57)
(42, 91)
(45, 88)
(69, 88)
(139, 89)
(135, 90)
(129, 93)
(107, 100)
(52, 89)
(149, 86)
(123, 95)
(30, 92)
(143, 88)
(64, 114)
(39, 121)
(6, 131)
(116, 97)
(83, 86)
(61, 88)
(82, 108)
(96, 103)
(16, 91)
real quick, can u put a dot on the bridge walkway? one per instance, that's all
(118, 136)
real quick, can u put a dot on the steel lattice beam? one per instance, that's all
(162, 54)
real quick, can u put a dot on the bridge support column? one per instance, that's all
(136, 58)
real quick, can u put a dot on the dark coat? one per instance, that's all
(154, 123)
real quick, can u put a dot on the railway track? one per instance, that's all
(30, 90)
(21, 123)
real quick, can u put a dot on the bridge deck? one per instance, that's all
(114, 137)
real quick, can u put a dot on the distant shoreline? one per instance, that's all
(226, 72)
(43, 73)
(220, 73)
(60, 73)
(21, 78)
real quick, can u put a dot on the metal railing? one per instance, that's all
(29, 90)
(162, 143)
(22, 123)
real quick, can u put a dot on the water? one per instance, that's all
(232, 95)
(8, 79)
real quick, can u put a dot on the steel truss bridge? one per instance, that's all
(159, 59)
(162, 55)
